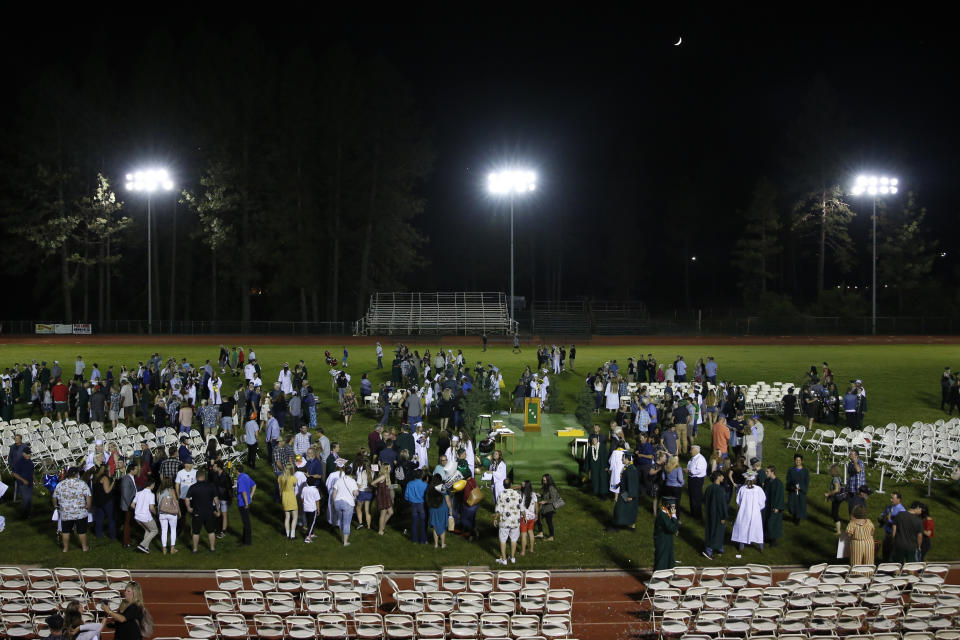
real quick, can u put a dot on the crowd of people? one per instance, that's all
(649, 451)
(430, 481)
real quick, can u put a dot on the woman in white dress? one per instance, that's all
(428, 400)
(556, 360)
(495, 382)
(421, 446)
(498, 471)
(467, 445)
(612, 395)
(544, 390)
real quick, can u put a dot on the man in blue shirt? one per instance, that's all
(246, 487)
(183, 452)
(388, 455)
(711, 370)
(850, 407)
(344, 362)
(669, 440)
(416, 489)
(272, 435)
(23, 478)
(652, 410)
(889, 513)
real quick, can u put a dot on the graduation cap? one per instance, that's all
(668, 500)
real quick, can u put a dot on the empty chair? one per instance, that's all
(368, 586)
(533, 600)
(262, 580)
(556, 626)
(709, 623)
(439, 601)
(118, 578)
(347, 602)
(110, 597)
(219, 601)
(524, 626)
(301, 627)
(502, 602)
(232, 626)
(12, 601)
(200, 627)
(683, 578)
(68, 578)
(332, 625)
(288, 580)
(311, 579)
(426, 582)
(339, 581)
(368, 626)
(537, 578)
(711, 577)
(317, 602)
(399, 626)
(281, 603)
(17, 625)
(13, 578)
(464, 625)
(760, 575)
(737, 622)
(736, 577)
(431, 626)
(509, 581)
(480, 582)
(470, 603)
(559, 601)
(494, 625)
(409, 601)
(43, 601)
(229, 579)
(453, 580)
(94, 579)
(250, 602)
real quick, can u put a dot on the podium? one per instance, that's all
(531, 414)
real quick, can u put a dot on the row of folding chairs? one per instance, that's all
(820, 621)
(46, 601)
(480, 581)
(91, 579)
(940, 635)
(528, 601)
(297, 579)
(374, 626)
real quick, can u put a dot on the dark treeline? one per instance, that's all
(298, 178)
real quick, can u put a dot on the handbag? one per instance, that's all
(475, 497)
(558, 502)
(451, 523)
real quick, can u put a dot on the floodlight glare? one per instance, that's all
(884, 180)
(861, 181)
(873, 180)
(884, 189)
(894, 182)
(506, 182)
(874, 186)
(872, 190)
(893, 189)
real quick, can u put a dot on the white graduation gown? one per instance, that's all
(286, 381)
(613, 396)
(471, 458)
(748, 527)
(421, 446)
(499, 475)
(616, 468)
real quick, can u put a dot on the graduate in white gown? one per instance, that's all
(616, 468)
(467, 445)
(544, 390)
(498, 471)
(612, 395)
(421, 447)
(748, 528)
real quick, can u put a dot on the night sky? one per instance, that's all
(623, 129)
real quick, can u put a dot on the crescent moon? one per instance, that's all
(677, 43)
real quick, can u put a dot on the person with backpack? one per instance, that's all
(169, 508)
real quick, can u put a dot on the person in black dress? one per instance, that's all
(127, 619)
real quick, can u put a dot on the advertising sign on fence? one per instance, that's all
(82, 329)
(45, 328)
(63, 329)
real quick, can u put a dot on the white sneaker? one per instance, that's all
(513, 560)
(501, 561)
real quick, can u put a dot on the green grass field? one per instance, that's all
(901, 380)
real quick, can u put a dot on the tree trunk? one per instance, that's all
(213, 285)
(303, 304)
(364, 286)
(333, 301)
(65, 277)
(823, 242)
(107, 272)
(156, 268)
(173, 266)
(315, 302)
(244, 277)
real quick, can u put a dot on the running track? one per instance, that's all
(608, 605)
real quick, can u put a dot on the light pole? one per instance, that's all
(874, 186)
(148, 182)
(511, 183)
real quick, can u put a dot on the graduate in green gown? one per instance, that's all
(595, 463)
(773, 510)
(6, 404)
(798, 482)
(665, 528)
(628, 500)
(715, 510)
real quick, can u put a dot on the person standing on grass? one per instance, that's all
(310, 497)
(204, 504)
(773, 508)
(696, 474)
(379, 356)
(246, 487)
(789, 409)
(251, 429)
(507, 519)
(628, 499)
(438, 511)
(798, 483)
(856, 475)
(168, 505)
(748, 527)
(145, 508)
(665, 529)
(343, 495)
(23, 474)
(717, 507)
(414, 495)
(835, 495)
(908, 535)
(72, 499)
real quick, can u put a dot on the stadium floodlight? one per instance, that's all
(510, 183)
(874, 186)
(148, 182)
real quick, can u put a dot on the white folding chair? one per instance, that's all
(262, 580)
(281, 603)
(494, 625)
(301, 627)
(368, 626)
(332, 625)
(502, 602)
(470, 603)
(426, 582)
(480, 582)
(464, 625)
(232, 626)
(431, 626)
(509, 581)
(219, 601)
(524, 626)
(442, 602)
(317, 602)
(200, 627)
(229, 579)
(399, 626)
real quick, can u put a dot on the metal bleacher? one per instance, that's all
(560, 318)
(617, 318)
(460, 313)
